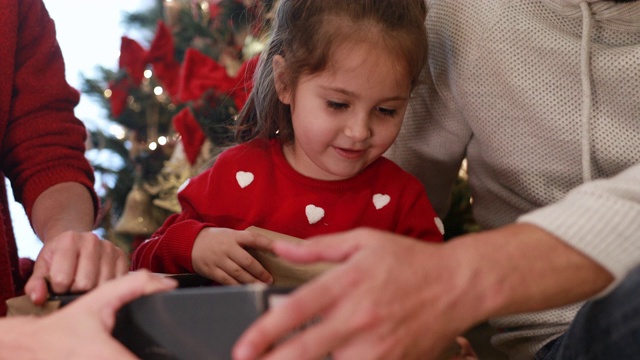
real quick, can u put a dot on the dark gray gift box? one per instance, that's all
(192, 323)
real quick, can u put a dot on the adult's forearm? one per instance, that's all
(600, 219)
(522, 268)
(63, 207)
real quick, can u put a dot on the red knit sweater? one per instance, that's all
(276, 197)
(41, 141)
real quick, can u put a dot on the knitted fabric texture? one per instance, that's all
(507, 91)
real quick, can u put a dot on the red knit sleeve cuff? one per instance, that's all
(178, 245)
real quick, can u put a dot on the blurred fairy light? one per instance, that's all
(105, 158)
(463, 174)
(252, 46)
(107, 93)
(117, 131)
(162, 140)
(463, 170)
(158, 90)
(148, 73)
(204, 6)
(153, 145)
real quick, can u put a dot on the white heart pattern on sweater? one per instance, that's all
(314, 213)
(183, 186)
(244, 178)
(381, 200)
(439, 224)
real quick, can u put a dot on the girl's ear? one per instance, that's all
(279, 77)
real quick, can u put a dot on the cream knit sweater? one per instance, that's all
(543, 99)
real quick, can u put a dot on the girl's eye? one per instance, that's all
(387, 112)
(336, 105)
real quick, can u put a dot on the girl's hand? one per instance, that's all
(219, 254)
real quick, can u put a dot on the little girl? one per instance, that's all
(330, 94)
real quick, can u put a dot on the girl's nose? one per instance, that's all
(357, 128)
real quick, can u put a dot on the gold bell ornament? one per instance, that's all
(137, 217)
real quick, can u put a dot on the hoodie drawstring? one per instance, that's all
(587, 95)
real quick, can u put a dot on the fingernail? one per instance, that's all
(169, 281)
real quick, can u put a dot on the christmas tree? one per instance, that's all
(173, 97)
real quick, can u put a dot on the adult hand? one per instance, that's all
(220, 254)
(82, 329)
(391, 299)
(397, 298)
(74, 262)
(73, 259)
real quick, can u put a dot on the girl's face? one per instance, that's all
(348, 115)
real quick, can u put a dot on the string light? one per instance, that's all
(117, 131)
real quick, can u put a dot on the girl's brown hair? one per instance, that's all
(305, 32)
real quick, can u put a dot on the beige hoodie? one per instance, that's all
(542, 97)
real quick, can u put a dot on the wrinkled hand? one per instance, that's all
(219, 254)
(393, 298)
(82, 329)
(397, 298)
(74, 262)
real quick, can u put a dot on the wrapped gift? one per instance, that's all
(192, 323)
(285, 273)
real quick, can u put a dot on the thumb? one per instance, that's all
(36, 287)
(333, 248)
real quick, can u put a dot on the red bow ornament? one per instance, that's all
(119, 92)
(201, 73)
(134, 59)
(244, 82)
(192, 136)
(162, 56)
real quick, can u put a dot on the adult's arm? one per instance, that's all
(82, 329)
(599, 219)
(395, 298)
(42, 152)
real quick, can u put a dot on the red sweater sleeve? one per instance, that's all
(169, 249)
(419, 220)
(42, 142)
